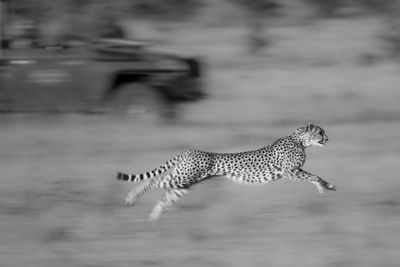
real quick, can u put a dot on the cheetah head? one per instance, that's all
(310, 135)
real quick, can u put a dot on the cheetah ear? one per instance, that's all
(301, 130)
(309, 127)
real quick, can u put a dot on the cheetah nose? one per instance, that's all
(326, 139)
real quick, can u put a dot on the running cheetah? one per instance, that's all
(282, 159)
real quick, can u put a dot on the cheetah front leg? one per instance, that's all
(301, 175)
(169, 199)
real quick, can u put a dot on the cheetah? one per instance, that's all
(281, 159)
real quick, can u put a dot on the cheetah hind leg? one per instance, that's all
(138, 192)
(169, 199)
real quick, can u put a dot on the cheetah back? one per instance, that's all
(261, 165)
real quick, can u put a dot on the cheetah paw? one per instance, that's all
(331, 187)
(153, 217)
(325, 188)
(130, 200)
(155, 214)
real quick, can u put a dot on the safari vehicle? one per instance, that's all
(107, 73)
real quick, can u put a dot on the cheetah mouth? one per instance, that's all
(320, 143)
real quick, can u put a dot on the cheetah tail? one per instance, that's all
(149, 174)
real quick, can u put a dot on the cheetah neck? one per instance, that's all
(297, 139)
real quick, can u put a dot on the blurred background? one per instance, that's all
(92, 87)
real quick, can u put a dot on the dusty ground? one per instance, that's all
(60, 204)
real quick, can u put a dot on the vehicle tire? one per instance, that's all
(137, 100)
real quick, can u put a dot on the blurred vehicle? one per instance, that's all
(107, 73)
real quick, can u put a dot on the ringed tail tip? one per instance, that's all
(120, 176)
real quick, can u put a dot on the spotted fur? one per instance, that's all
(282, 159)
